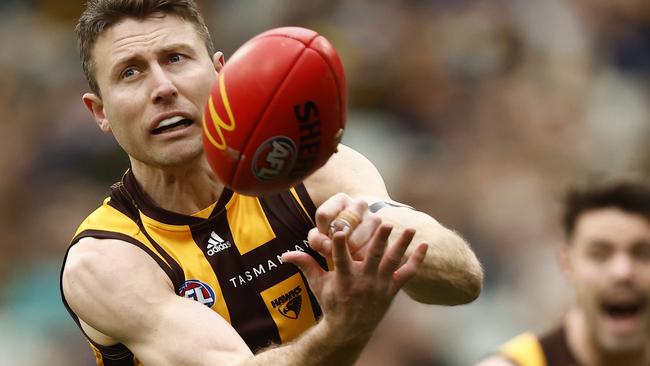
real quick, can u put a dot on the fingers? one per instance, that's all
(305, 262)
(341, 255)
(363, 233)
(328, 211)
(343, 213)
(320, 242)
(342, 206)
(377, 248)
(346, 221)
(393, 257)
(408, 270)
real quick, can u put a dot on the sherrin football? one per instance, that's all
(276, 112)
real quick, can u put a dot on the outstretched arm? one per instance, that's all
(450, 274)
(131, 301)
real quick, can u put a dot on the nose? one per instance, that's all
(164, 90)
(622, 267)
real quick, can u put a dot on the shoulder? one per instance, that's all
(105, 260)
(100, 270)
(110, 216)
(347, 171)
(103, 278)
(523, 349)
(496, 360)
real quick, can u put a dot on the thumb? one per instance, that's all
(305, 262)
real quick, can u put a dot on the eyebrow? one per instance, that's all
(134, 57)
(598, 242)
(176, 46)
(640, 243)
(124, 61)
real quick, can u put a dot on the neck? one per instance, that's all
(184, 189)
(586, 350)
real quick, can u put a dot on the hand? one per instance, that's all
(355, 296)
(359, 234)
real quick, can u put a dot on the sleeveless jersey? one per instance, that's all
(549, 350)
(228, 257)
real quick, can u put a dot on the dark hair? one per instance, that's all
(629, 195)
(100, 15)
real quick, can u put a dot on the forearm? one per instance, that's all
(451, 274)
(319, 346)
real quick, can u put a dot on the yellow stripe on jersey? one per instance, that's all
(289, 305)
(205, 213)
(178, 242)
(107, 217)
(330, 262)
(98, 355)
(248, 222)
(525, 350)
(295, 195)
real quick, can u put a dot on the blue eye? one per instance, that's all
(129, 72)
(175, 58)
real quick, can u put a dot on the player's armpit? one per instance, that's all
(118, 290)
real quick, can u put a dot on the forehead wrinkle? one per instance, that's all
(127, 48)
(120, 45)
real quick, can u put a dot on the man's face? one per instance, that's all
(155, 76)
(609, 267)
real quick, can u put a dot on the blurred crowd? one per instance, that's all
(477, 112)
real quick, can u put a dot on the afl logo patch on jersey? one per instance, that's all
(274, 158)
(198, 291)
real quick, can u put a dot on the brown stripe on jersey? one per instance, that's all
(556, 348)
(124, 202)
(286, 218)
(65, 302)
(248, 314)
(306, 201)
(281, 222)
(243, 277)
(152, 210)
(117, 355)
(225, 196)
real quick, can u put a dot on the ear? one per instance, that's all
(218, 61)
(95, 106)
(563, 258)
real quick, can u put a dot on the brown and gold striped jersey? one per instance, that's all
(550, 349)
(227, 256)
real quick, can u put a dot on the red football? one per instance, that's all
(277, 111)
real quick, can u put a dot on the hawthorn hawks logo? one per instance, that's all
(289, 304)
(274, 158)
(198, 291)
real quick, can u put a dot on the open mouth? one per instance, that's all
(622, 310)
(172, 124)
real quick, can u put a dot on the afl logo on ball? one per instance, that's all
(197, 291)
(274, 158)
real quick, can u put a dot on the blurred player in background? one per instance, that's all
(607, 262)
(176, 269)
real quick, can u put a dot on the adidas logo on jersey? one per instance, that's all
(216, 244)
